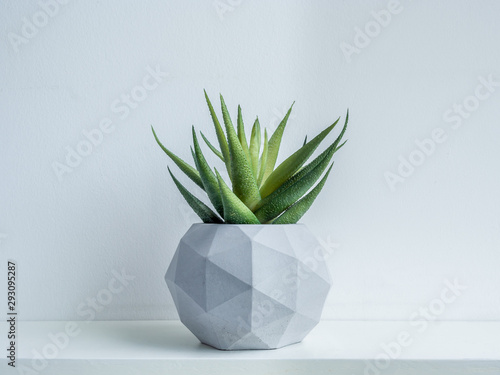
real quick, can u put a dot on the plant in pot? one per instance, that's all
(250, 276)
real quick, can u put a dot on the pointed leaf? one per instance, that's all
(255, 142)
(220, 135)
(295, 212)
(244, 183)
(212, 147)
(235, 211)
(194, 159)
(275, 143)
(191, 172)
(305, 141)
(263, 160)
(241, 134)
(293, 163)
(339, 138)
(207, 177)
(294, 188)
(339, 147)
(200, 208)
(334, 144)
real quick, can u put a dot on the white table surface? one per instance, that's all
(340, 347)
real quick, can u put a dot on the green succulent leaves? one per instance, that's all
(235, 211)
(207, 176)
(220, 135)
(275, 143)
(295, 212)
(255, 141)
(244, 183)
(200, 208)
(263, 159)
(294, 188)
(293, 163)
(185, 167)
(260, 192)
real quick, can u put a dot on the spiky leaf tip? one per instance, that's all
(207, 176)
(275, 143)
(293, 163)
(200, 208)
(294, 188)
(241, 134)
(212, 147)
(255, 141)
(295, 212)
(191, 172)
(221, 137)
(244, 182)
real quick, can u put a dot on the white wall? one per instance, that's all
(118, 209)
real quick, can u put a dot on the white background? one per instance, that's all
(118, 209)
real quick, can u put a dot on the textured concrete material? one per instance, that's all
(249, 286)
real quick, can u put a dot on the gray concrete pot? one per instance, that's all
(249, 286)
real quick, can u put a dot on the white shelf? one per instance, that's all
(341, 347)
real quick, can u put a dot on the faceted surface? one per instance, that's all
(249, 286)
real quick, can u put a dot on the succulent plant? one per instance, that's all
(259, 192)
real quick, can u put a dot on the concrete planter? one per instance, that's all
(249, 286)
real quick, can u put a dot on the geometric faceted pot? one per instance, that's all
(241, 287)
